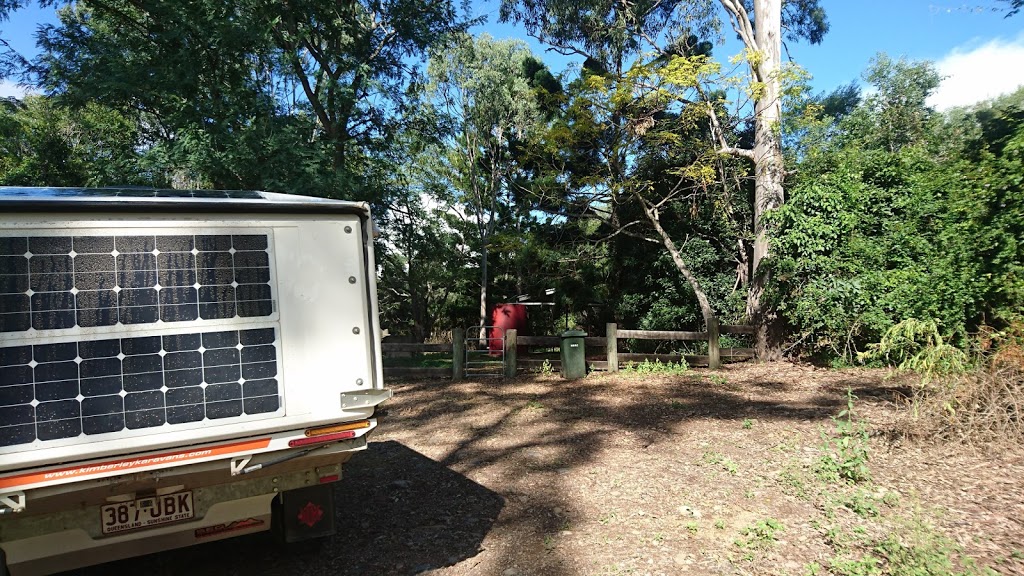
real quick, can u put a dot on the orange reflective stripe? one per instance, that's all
(128, 464)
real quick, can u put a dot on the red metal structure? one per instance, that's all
(506, 317)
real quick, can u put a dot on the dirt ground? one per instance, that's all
(697, 473)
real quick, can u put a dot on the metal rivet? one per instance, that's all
(355, 330)
(351, 279)
(359, 381)
(348, 229)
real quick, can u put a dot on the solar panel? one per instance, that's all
(128, 192)
(89, 387)
(60, 282)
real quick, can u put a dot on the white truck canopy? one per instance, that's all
(138, 320)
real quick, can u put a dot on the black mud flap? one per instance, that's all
(304, 513)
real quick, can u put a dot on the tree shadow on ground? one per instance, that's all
(545, 429)
(379, 532)
(583, 415)
(401, 512)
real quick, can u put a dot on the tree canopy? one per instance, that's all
(660, 184)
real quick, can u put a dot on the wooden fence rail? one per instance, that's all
(609, 343)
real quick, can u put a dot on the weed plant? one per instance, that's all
(917, 346)
(657, 367)
(760, 535)
(846, 451)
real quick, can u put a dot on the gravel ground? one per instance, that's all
(702, 473)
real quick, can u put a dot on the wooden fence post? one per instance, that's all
(612, 346)
(714, 350)
(510, 353)
(458, 354)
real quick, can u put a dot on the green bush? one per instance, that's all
(917, 346)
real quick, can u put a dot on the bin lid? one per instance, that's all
(574, 334)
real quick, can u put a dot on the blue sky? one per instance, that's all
(971, 42)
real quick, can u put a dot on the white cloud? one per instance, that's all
(8, 89)
(979, 72)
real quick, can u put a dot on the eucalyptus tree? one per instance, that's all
(760, 25)
(617, 31)
(483, 103)
(615, 116)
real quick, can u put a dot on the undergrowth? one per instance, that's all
(760, 535)
(657, 367)
(976, 399)
(846, 451)
(910, 548)
(917, 346)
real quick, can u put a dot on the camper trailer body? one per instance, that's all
(178, 367)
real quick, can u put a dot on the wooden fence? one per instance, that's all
(609, 359)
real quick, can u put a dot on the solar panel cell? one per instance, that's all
(58, 391)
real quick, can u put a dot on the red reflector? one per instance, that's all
(331, 478)
(322, 439)
(310, 514)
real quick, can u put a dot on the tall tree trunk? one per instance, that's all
(418, 303)
(483, 296)
(768, 165)
(763, 40)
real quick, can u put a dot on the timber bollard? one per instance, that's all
(458, 354)
(510, 353)
(714, 350)
(612, 346)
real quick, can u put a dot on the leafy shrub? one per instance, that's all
(917, 346)
(979, 403)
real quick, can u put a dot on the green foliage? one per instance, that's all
(483, 103)
(917, 346)
(866, 565)
(760, 535)
(914, 548)
(727, 464)
(861, 502)
(896, 115)
(216, 87)
(899, 212)
(546, 368)
(718, 379)
(846, 451)
(43, 143)
(647, 368)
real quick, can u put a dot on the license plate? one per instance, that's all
(146, 512)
